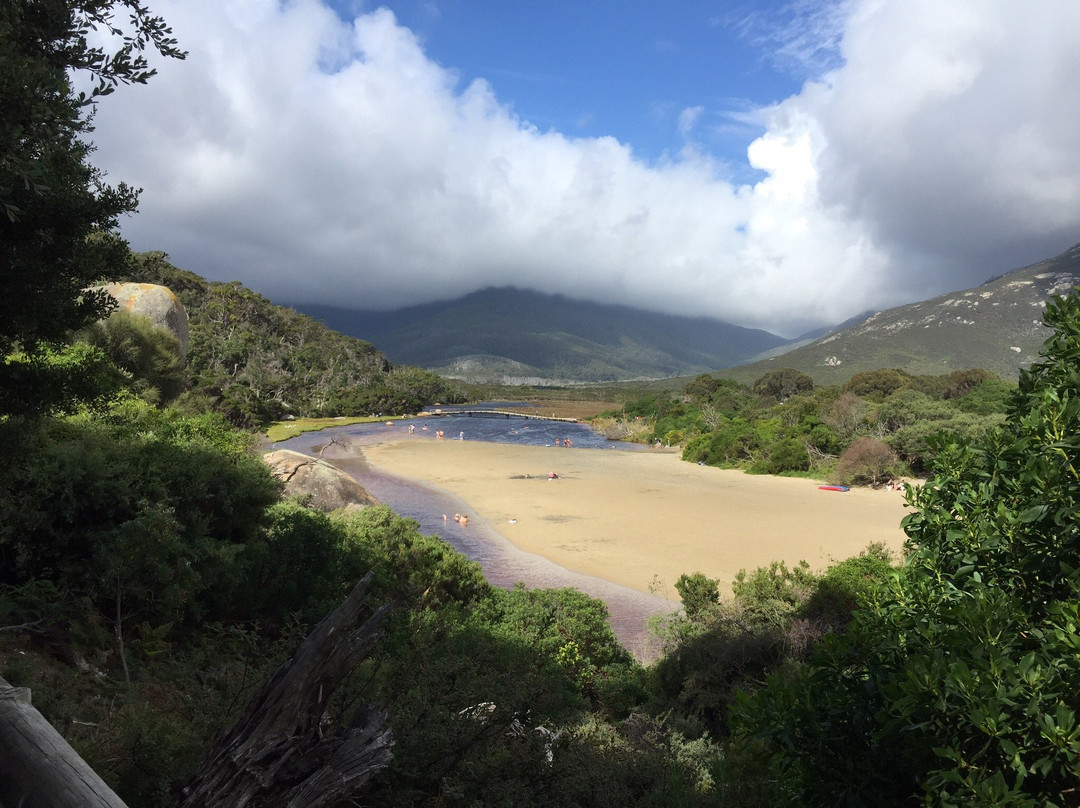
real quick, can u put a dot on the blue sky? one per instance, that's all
(622, 69)
(780, 165)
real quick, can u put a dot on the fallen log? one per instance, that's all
(276, 754)
(37, 766)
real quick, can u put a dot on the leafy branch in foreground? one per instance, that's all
(957, 685)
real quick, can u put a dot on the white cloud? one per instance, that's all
(688, 118)
(321, 161)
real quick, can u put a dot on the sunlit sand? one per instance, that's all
(641, 519)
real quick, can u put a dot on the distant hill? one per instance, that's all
(513, 336)
(996, 326)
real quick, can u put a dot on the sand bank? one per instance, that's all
(641, 518)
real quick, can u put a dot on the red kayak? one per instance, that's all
(833, 487)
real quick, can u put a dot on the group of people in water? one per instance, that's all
(461, 518)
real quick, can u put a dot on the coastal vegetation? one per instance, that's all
(874, 427)
(152, 576)
(256, 362)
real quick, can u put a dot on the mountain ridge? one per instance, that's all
(996, 326)
(503, 333)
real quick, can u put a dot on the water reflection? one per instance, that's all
(503, 564)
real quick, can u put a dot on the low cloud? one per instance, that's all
(317, 160)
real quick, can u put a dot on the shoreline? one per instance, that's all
(642, 519)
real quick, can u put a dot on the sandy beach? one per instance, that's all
(641, 519)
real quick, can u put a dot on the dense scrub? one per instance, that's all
(957, 684)
(948, 679)
(256, 362)
(866, 431)
(150, 577)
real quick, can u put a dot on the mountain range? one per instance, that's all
(517, 336)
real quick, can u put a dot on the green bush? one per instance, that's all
(144, 513)
(149, 354)
(955, 685)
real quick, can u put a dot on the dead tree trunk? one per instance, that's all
(276, 754)
(37, 766)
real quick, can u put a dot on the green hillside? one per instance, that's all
(997, 326)
(257, 362)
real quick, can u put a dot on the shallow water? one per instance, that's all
(503, 563)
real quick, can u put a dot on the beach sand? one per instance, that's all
(642, 519)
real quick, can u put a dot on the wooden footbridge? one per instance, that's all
(494, 414)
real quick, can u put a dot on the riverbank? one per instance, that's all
(641, 519)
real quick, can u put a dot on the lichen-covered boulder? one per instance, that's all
(319, 484)
(158, 303)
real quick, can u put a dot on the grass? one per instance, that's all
(283, 430)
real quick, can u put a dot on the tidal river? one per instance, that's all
(503, 564)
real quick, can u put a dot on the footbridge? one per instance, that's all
(494, 414)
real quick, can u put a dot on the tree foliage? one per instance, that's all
(256, 362)
(786, 425)
(783, 383)
(53, 200)
(958, 686)
(148, 354)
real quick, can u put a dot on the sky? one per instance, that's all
(777, 165)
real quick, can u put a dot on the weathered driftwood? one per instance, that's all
(276, 753)
(37, 766)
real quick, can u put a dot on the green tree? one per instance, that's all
(53, 200)
(783, 383)
(698, 593)
(150, 355)
(142, 512)
(876, 384)
(58, 379)
(956, 685)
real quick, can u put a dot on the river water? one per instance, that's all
(503, 563)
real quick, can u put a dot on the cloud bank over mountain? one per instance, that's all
(329, 160)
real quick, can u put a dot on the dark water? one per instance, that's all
(503, 564)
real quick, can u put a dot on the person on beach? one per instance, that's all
(552, 475)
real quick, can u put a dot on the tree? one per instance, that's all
(783, 383)
(698, 593)
(956, 685)
(52, 200)
(877, 384)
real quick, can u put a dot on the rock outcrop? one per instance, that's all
(158, 303)
(319, 484)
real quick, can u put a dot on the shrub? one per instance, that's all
(867, 461)
(956, 684)
(698, 593)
